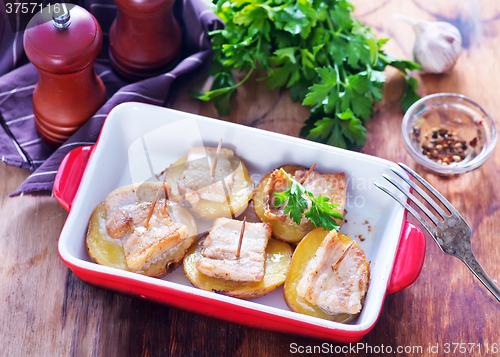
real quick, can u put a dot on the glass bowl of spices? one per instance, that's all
(448, 133)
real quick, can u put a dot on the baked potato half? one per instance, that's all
(278, 260)
(285, 230)
(238, 198)
(108, 251)
(303, 253)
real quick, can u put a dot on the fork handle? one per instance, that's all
(472, 263)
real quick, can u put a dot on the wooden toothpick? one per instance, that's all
(308, 173)
(344, 254)
(241, 237)
(166, 194)
(212, 173)
(146, 223)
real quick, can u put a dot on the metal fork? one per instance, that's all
(452, 235)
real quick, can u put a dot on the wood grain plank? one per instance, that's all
(30, 269)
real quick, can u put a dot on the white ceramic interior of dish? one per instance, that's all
(120, 159)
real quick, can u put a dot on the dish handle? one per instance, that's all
(409, 258)
(69, 175)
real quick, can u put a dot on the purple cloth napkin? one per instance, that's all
(20, 144)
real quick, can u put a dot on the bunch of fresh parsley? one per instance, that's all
(321, 212)
(329, 60)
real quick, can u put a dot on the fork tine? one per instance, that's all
(422, 193)
(408, 208)
(439, 196)
(413, 199)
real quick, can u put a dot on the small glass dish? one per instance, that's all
(448, 133)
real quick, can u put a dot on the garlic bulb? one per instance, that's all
(437, 45)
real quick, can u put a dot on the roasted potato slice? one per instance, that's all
(239, 196)
(108, 251)
(303, 253)
(278, 259)
(284, 230)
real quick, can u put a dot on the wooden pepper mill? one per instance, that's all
(68, 92)
(144, 39)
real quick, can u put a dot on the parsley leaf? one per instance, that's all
(410, 96)
(342, 130)
(321, 212)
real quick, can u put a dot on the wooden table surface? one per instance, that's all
(45, 310)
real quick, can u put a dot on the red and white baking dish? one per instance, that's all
(138, 138)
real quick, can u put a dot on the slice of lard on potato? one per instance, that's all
(226, 193)
(130, 232)
(330, 185)
(328, 277)
(212, 262)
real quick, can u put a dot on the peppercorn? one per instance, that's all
(444, 146)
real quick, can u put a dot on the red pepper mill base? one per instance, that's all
(68, 91)
(144, 39)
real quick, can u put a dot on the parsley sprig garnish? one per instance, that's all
(321, 213)
(330, 61)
